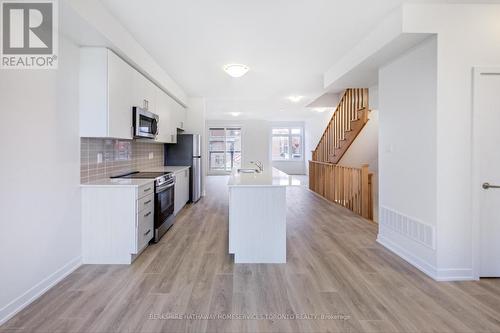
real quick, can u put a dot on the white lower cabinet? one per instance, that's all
(181, 193)
(117, 222)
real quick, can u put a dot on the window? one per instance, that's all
(287, 144)
(224, 149)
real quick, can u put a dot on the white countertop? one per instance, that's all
(167, 168)
(118, 182)
(126, 182)
(270, 177)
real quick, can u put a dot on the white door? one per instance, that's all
(487, 165)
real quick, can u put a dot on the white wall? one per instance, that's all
(254, 141)
(407, 144)
(315, 126)
(195, 124)
(469, 35)
(40, 178)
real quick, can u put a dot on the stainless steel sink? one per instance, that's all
(248, 171)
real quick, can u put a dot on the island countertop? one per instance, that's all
(269, 178)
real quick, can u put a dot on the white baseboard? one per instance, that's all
(407, 256)
(455, 274)
(11, 309)
(433, 272)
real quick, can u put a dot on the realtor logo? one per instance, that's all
(29, 34)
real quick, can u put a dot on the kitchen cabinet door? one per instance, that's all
(174, 119)
(120, 74)
(163, 110)
(144, 92)
(179, 115)
(182, 117)
(181, 195)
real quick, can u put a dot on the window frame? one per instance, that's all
(290, 137)
(225, 128)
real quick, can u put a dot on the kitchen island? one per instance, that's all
(257, 216)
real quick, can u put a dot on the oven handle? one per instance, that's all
(164, 187)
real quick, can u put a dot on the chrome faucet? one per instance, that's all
(258, 164)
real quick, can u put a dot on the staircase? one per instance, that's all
(347, 121)
(349, 187)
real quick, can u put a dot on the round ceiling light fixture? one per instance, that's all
(236, 70)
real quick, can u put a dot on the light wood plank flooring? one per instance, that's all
(334, 267)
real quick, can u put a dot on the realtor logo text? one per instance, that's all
(29, 34)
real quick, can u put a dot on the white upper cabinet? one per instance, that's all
(105, 94)
(120, 74)
(110, 88)
(143, 92)
(164, 111)
(179, 115)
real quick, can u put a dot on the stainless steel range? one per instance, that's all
(164, 199)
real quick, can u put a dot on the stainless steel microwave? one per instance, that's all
(145, 123)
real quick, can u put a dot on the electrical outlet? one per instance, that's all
(99, 158)
(151, 155)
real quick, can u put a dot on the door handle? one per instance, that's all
(487, 186)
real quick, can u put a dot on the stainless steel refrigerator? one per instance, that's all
(187, 151)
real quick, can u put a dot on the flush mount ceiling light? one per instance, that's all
(235, 114)
(295, 98)
(320, 109)
(236, 70)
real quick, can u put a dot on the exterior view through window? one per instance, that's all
(224, 149)
(287, 144)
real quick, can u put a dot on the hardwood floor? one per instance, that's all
(334, 268)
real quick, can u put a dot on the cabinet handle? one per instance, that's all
(147, 232)
(182, 124)
(149, 201)
(147, 214)
(146, 104)
(172, 137)
(147, 190)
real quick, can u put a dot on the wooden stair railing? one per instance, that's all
(347, 121)
(349, 187)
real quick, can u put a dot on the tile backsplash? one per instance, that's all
(103, 158)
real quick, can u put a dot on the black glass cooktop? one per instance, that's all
(145, 175)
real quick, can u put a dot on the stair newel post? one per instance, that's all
(365, 194)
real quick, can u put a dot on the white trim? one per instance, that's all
(289, 127)
(476, 178)
(422, 265)
(38, 290)
(210, 124)
(448, 274)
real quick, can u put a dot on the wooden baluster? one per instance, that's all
(364, 191)
(349, 110)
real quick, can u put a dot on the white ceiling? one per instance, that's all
(288, 45)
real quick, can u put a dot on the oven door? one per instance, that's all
(164, 204)
(145, 123)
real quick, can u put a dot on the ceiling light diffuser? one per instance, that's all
(320, 109)
(235, 114)
(236, 70)
(295, 98)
